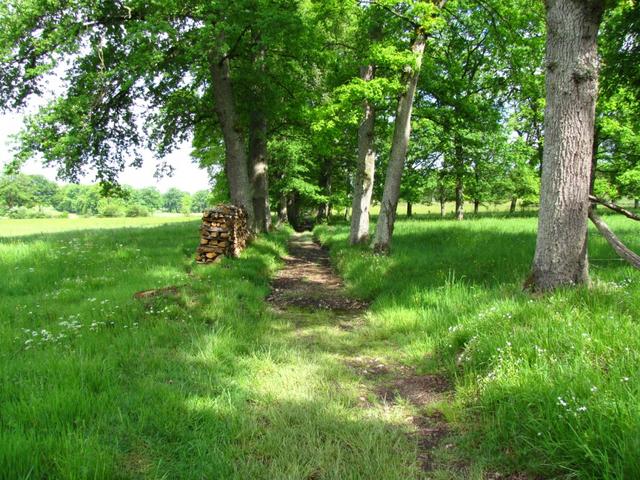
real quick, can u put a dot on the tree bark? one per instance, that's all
(442, 207)
(459, 171)
(293, 211)
(236, 167)
(459, 198)
(325, 185)
(402, 131)
(476, 206)
(259, 170)
(636, 203)
(363, 186)
(282, 211)
(409, 209)
(572, 84)
(514, 204)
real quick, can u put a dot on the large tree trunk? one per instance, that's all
(236, 167)
(514, 204)
(402, 131)
(259, 170)
(476, 206)
(572, 85)
(409, 209)
(363, 186)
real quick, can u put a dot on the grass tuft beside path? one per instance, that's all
(550, 384)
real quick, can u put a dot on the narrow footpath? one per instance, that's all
(307, 287)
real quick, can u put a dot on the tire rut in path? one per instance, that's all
(308, 282)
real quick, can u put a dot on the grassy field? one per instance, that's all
(545, 384)
(208, 383)
(14, 228)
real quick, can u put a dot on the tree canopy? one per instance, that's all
(270, 93)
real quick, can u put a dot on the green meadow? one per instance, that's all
(543, 384)
(206, 381)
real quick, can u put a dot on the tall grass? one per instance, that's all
(549, 384)
(205, 384)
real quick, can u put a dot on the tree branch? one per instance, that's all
(615, 208)
(629, 256)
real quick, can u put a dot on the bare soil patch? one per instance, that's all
(307, 281)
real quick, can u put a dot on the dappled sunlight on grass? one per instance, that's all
(203, 382)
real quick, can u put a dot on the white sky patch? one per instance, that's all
(187, 175)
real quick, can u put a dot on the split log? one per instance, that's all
(224, 232)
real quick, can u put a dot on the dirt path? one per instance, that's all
(308, 284)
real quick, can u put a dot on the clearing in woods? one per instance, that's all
(308, 293)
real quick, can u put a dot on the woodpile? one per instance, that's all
(224, 231)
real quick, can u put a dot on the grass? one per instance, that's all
(208, 383)
(544, 384)
(14, 228)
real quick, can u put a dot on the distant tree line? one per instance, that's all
(33, 196)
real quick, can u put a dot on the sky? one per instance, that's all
(187, 176)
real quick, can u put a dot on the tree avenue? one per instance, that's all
(314, 108)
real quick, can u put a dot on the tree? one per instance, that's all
(200, 201)
(44, 190)
(149, 197)
(196, 68)
(16, 191)
(427, 12)
(572, 83)
(366, 162)
(172, 200)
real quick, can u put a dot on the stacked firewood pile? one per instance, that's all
(224, 231)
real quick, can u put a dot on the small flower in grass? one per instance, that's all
(624, 379)
(594, 389)
(581, 409)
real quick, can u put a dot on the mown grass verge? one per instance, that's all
(545, 384)
(206, 383)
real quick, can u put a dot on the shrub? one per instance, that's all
(27, 213)
(108, 209)
(137, 211)
(18, 212)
